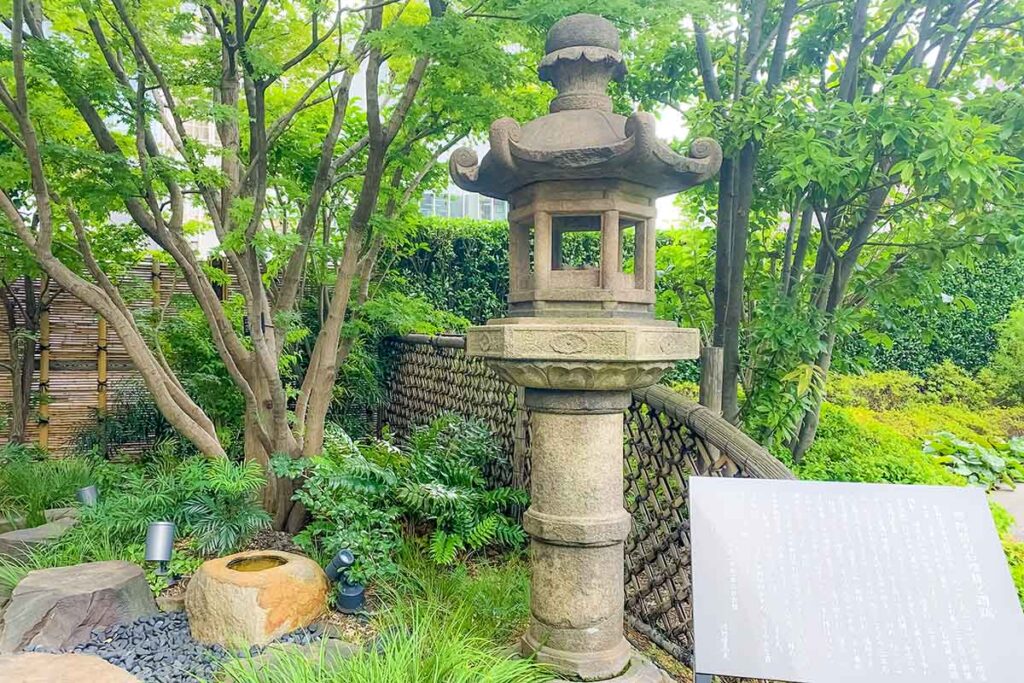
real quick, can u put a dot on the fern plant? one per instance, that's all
(446, 488)
(361, 493)
(225, 512)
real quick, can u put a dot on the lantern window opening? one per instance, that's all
(575, 241)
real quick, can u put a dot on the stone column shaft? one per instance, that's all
(577, 527)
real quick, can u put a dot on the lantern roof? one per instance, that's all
(582, 138)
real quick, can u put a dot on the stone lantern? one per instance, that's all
(580, 335)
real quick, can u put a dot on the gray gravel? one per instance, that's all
(160, 649)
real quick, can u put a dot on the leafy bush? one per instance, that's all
(446, 488)
(978, 464)
(979, 294)
(29, 487)
(849, 450)
(131, 421)
(360, 493)
(1004, 373)
(213, 500)
(947, 383)
(348, 490)
(886, 390)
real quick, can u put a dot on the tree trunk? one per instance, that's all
(733, 319)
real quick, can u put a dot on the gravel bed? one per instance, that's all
(160, 649)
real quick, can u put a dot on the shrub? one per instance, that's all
(445, 487)
(212, 500)
(875, 390)
(359, 493)
(1004, 373)
(848, 450)
(949, 384)
(347, 490)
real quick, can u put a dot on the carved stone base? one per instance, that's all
(640, 670)
(581, 354)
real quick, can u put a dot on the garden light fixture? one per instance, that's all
(350, 595)
(87, 495)
(160, 545)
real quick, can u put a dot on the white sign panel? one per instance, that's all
(818, 582)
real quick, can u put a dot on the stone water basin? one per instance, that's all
(254, 597)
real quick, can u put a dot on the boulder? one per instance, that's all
(35, 667)
(58, 608)
(254, 597)
(52, 515)
(171, 603)
(18, 544)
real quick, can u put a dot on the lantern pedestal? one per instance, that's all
(578, 375)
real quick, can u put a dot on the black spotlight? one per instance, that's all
(350, 595)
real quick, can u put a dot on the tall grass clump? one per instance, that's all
(439, 624)
(28, 487)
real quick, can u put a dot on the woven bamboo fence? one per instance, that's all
(80, 361)
(668, 439)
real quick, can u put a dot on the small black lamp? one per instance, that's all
(87, 495)
(350, 595)
(160, 545)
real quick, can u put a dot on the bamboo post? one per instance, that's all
(44, 379)
(712, 366)
(101, 366)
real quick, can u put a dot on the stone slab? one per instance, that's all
(850, 583)
(19, 544)
(34, 667)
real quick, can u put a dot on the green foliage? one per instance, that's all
(188, 346)
(360, 493)
(1004, 374)
(461, 265)
(132, 419)
(29, 487)
(212, 500)
(877, 391)
(847, 450)
(978, 464)
(445, 487)
(440, 624)
(224, 512)
(947, 383)
(347, 490)
(951, 314)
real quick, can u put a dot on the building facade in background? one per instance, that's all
(455, 202)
